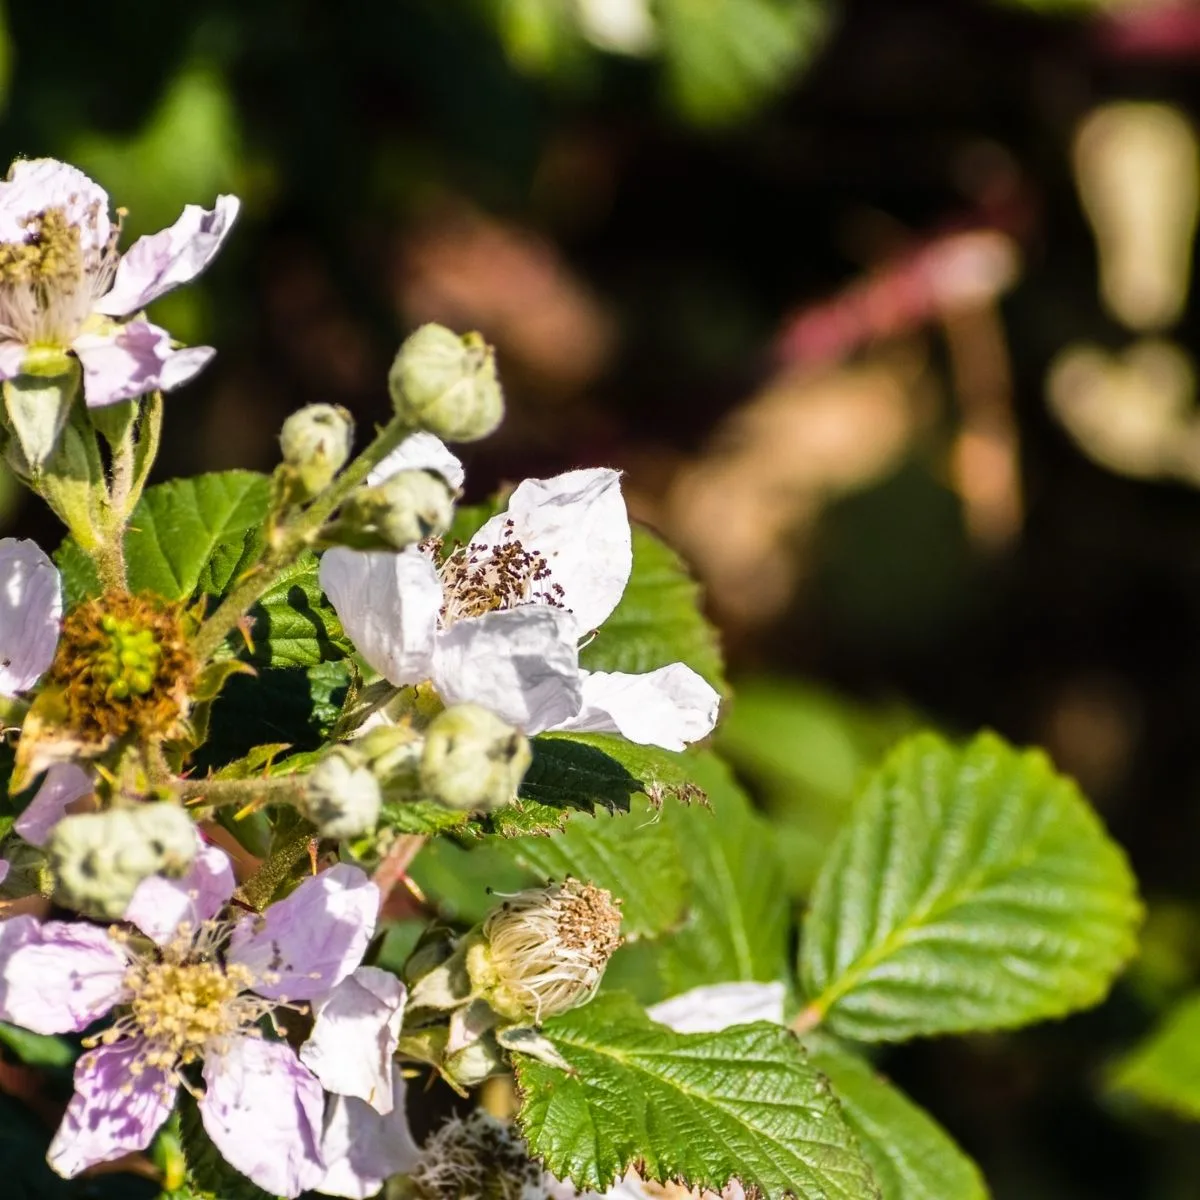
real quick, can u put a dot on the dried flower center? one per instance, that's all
(479, 1157)
(549, 946)
(479, 578)
(124, 665)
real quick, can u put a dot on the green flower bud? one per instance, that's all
(543, 951)
(404, 509)
(447, 384)
(473, 760)
(342, 797)
(316, 443)
(98, 859)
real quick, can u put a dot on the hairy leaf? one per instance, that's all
(974, 888)
(707, 1108)
(1165, 1069)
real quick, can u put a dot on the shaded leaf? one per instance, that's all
(1165, 1069)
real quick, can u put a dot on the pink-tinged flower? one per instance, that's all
(498, 622)
(195, 998)
(30, 614)
(64, 286)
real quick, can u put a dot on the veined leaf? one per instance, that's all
(911, 1155)
(709, 1107)
(974, 888)
(1165, 1069)
(294, 625)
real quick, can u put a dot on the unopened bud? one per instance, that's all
(342, 797)
(316, 443)
(447, 384)
(404, 509)
(543, 951)
(99, 858)
(472, 760)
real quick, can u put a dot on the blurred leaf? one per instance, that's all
(723, 58)
(38, 1049)
(910, 1154)
(658, 620)
(743, 1103)
(1165, 1069)
(420, 816)
(974, 888)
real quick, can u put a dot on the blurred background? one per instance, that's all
(884, 308)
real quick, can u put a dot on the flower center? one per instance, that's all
(478, 578)
(50, 257)
(479, 1157)
(123, 665)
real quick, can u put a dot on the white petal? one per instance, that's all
(30, 614)
(670, 707)
(717, 1006)
(12, 358)
(521, 664)
(578, 523)
(264, 1111)
(133, 360)
(420, 452)
(36, 184)
(159, 905)
(388, 604)
(361, 1148)
(64, 784)
(161, 261)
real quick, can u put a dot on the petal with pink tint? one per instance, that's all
(355, 1032)
(263, 1110)
(717, 1006)
(671, 707)
(64, 784)
(133, 360)
(36, 184)
(388, 605)
(30, 614)
(159, 904)
(12, 359)
(307, 943)
(155, 264)
(420, 452)
(57, 976)
(362, 1148)
(578, 523)
(521, 664)
(113, 1110)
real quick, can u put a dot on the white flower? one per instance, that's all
(499, 621)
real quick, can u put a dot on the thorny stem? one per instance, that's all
(211, 794)
(290, 540)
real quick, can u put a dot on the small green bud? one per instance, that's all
(316, 443)
(473, 760)
(342, 797)
(447, 384)
(404, 509)
(98, 859)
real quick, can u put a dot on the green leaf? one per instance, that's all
(420, 816)
(294, 624)
(911, 1155)
(1165, 1069)
(38, 1049)
(658, 620)
(974, 888)
(710, 1107)
(185, 536)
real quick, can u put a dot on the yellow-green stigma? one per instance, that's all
(123, 666)
(51, 256)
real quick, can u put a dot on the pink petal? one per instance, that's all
(64, 784)
(521, 664)
(35, 184)
(263, 1111)
(670, 707)
(355, 1034)
(161, 261)
(57, 977)
(578, 523)
(12, 359)
(30, 614)
(361, 1148)
(132, 360)
(159, 904)
(307, 943)
(420, 452)
(388, 605)
(113, 1110)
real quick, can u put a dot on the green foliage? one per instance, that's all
(293, 624)
(38, 1049)
(974, 888)
(911, 1155)
(743, 1103)
(658, 620)
(1165, 1069)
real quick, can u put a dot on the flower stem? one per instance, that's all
(211, 794)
